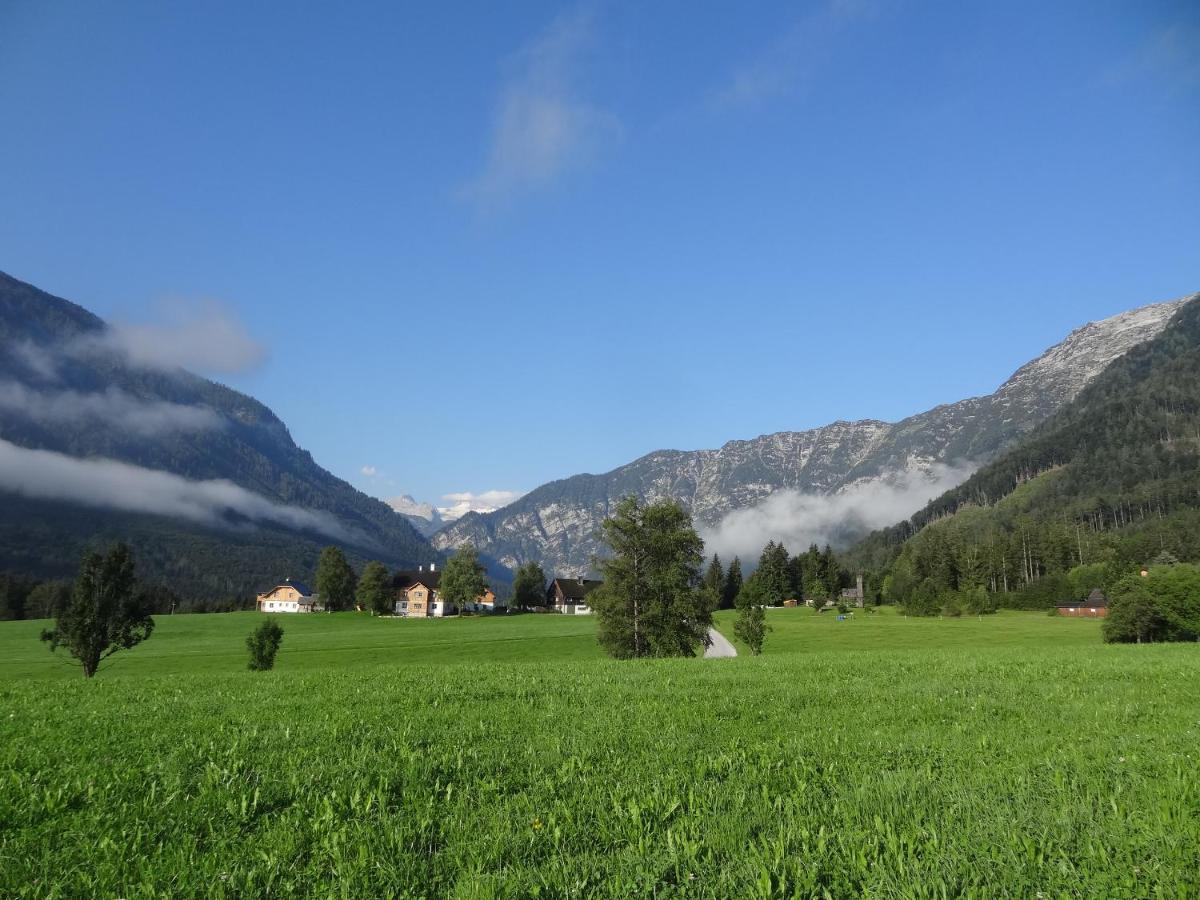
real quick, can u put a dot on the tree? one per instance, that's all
(104, 614)
(374, 589)
(529, 586)
(263, 643)
(714, 577)
(652, 602)
(750, 625)
(335, 580)
(733, 584)
(463, 581)
(773, 574)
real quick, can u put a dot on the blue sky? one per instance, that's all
(484, 247)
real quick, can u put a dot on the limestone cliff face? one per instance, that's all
(557, 524)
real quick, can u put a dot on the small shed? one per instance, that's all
(1094, 606)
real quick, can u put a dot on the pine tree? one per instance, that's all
(714, 578)
(653, 601)
(733, 584)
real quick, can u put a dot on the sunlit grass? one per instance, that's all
(887, 757)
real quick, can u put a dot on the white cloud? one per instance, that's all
(113, 407)
(38, 360)
(369, 471)
(45, 475)
(799, 519)
(543, 128)
(202, 336)
(464, 502)
(793, 58)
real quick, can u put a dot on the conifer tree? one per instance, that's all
(374, 591)
(653, 601)
(733, 584)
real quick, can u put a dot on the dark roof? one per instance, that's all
(287, 582)
(402, 581)
(1095, 598)
(573, 588)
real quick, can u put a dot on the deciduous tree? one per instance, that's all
(529, 586)
(335, 580)
(104, 614)
(374, 589)
(464, 580)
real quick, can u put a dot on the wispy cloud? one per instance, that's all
(113, 408)
(543, 126)
(1171, 53)
(107, 483)
(792, 60)
(369, 471)
(203, 336)
(799, 519)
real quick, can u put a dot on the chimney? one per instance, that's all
(420, 568)
(433, 567)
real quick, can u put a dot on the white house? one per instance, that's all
(287, 597)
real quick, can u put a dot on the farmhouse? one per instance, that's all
(1094, 607)
(287, 596)
(417, 595)
(569, 595)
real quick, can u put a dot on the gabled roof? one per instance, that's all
(402, 581)
(301, 589)
(573, 588)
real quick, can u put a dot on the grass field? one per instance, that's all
(885, 757)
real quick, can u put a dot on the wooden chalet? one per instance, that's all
(569, 595)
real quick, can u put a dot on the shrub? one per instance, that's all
(263, 643)
(1165, 606)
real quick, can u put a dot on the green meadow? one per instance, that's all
(880, 756)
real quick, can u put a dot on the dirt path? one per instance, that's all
(720, 647)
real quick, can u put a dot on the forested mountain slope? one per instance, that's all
(1114, 476)
(557, 523)
(208, 481)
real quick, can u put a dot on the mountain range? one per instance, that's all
(834, 483)
(96, 444)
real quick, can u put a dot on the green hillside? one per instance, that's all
(52, 348)
(1113, 479)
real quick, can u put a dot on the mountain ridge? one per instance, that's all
(556, 523)
(223, 457)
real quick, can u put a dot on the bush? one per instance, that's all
(1165, 606)
(263, 643)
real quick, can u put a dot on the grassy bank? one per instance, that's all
(847, 761)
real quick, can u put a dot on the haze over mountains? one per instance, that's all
(99, 441)
(835, 483)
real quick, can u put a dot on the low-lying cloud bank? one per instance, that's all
(201, 336)
(798, 519)
(113, 407)
(107, 483)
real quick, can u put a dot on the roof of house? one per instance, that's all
(402, 581)
(574, 588)
(1095, 598)
(301, 589)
